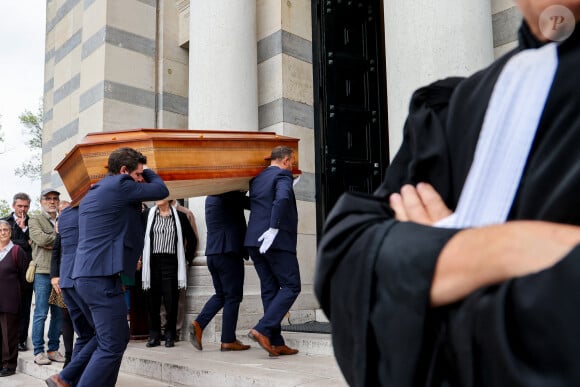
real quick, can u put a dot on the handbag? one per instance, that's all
(30, 272)
(56, 299)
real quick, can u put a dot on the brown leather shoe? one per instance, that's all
(284, 350)
(195, 333)
(56, 381)
(235, 346)
(264, 341)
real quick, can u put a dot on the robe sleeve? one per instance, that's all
(522, 332)
(373, 281)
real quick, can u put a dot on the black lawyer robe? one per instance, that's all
(374, 274)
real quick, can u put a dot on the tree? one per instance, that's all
(32, 168)
(4, 208)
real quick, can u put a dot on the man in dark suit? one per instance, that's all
(61, 268)
(18, 220)
(225, 251)
(111, 238)
(271, 242)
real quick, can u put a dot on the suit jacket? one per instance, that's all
(65, 247)
(111, 233)
(226, 223)
(42, 235)
(273, 205)
(19, 237)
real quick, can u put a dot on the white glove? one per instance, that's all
(296, 180)
(268, 238)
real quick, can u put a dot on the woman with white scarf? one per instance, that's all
(169, 242)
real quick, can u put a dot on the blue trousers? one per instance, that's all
(42, 288)
(103, 299)
(280, 285)
(86, 341)
(227, 274)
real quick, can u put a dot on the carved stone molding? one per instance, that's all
(183, 10)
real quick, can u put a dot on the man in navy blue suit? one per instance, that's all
(271, 242)
(225, 251)
(111, 238)
(85, 344)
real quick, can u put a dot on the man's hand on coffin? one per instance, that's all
(267, 238)
(421, 204)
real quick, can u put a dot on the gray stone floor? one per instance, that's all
(185, 366)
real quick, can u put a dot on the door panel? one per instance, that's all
(350, 99)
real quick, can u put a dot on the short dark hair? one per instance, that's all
(280, 152)
(128, 157)
(20, 196)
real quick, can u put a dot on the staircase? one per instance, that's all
(183, 365)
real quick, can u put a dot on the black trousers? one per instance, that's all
(163, 288)
(67, 334)
(9, 340)
(25, 303)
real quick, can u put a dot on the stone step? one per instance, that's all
(29, 374)
(185, 366)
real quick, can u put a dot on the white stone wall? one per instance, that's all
(426, 41)
(285, 99)
(106, 70)
(506, 19)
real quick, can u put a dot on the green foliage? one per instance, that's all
(32, 168)
(5, 208)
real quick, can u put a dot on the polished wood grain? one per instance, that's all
(191, 162)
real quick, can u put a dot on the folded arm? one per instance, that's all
(483, 256)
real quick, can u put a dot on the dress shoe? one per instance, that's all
(284, 350)
(153, 343)
(195, 333)
(264, 341)
(7, 371)
(22, 346)
(169, 343)
(56, 381)
(235, 346)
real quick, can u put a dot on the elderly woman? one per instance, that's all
(169, 242)
(13, 264)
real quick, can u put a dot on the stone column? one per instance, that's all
(223, 95)
(223, 76)
(429, 40)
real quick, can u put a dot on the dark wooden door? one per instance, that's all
(350, 99)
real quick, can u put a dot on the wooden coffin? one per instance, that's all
(191, 162)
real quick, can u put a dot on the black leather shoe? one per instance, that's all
(169, 343)
(153, 343)
(7, 371)
(22, 346)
